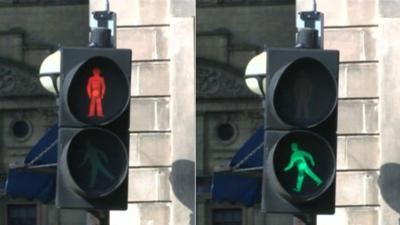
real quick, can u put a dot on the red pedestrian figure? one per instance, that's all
(96, 88)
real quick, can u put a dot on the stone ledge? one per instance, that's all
(150, 114)
(147, 43)
(353, 215)
(149, 185)
(150, 79)
(365, 182)
(358, 80)
(142, 214)
(354, 44)
(358, 117)
(358, 152)
(150, 149)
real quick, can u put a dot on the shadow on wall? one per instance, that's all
(389, 184)
(183, 184)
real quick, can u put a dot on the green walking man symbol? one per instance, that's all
(96, 157)
(298, 158)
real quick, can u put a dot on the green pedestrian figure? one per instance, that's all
(298, 158)
(96, 157)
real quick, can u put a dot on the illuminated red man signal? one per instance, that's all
(96, 88)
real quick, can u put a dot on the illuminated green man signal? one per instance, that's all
(298, 158)
(95, 157)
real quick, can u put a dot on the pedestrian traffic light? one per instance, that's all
(94, 105)
(300, 131)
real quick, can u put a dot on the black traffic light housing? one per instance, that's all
(300, 131)
(94, 106)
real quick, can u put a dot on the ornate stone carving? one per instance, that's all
(15, 81)
(217, 82)
(208, 81)
(7, 80)
(49, 115)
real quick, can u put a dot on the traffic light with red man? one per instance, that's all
(94, 106)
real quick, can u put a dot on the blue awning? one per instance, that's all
(25, 183)
(250, 154)
(235, 187)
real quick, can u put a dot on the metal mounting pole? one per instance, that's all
(310, 26)
(309, 219)
(107, 6)
(314, 5)
(102, 216)
(103, 28)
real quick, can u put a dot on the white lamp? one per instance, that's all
(49, 73)
(255, 75)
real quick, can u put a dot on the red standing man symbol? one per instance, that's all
(96, 88)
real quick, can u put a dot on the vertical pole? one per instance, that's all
(315, 6)
(309, 219)
(107, 6)
(99, 217)
(308, 22)
(103, 28)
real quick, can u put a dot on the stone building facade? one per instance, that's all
(162, 147)
(29, 31)
(367, 161)
(161, 34)
(229, 34)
